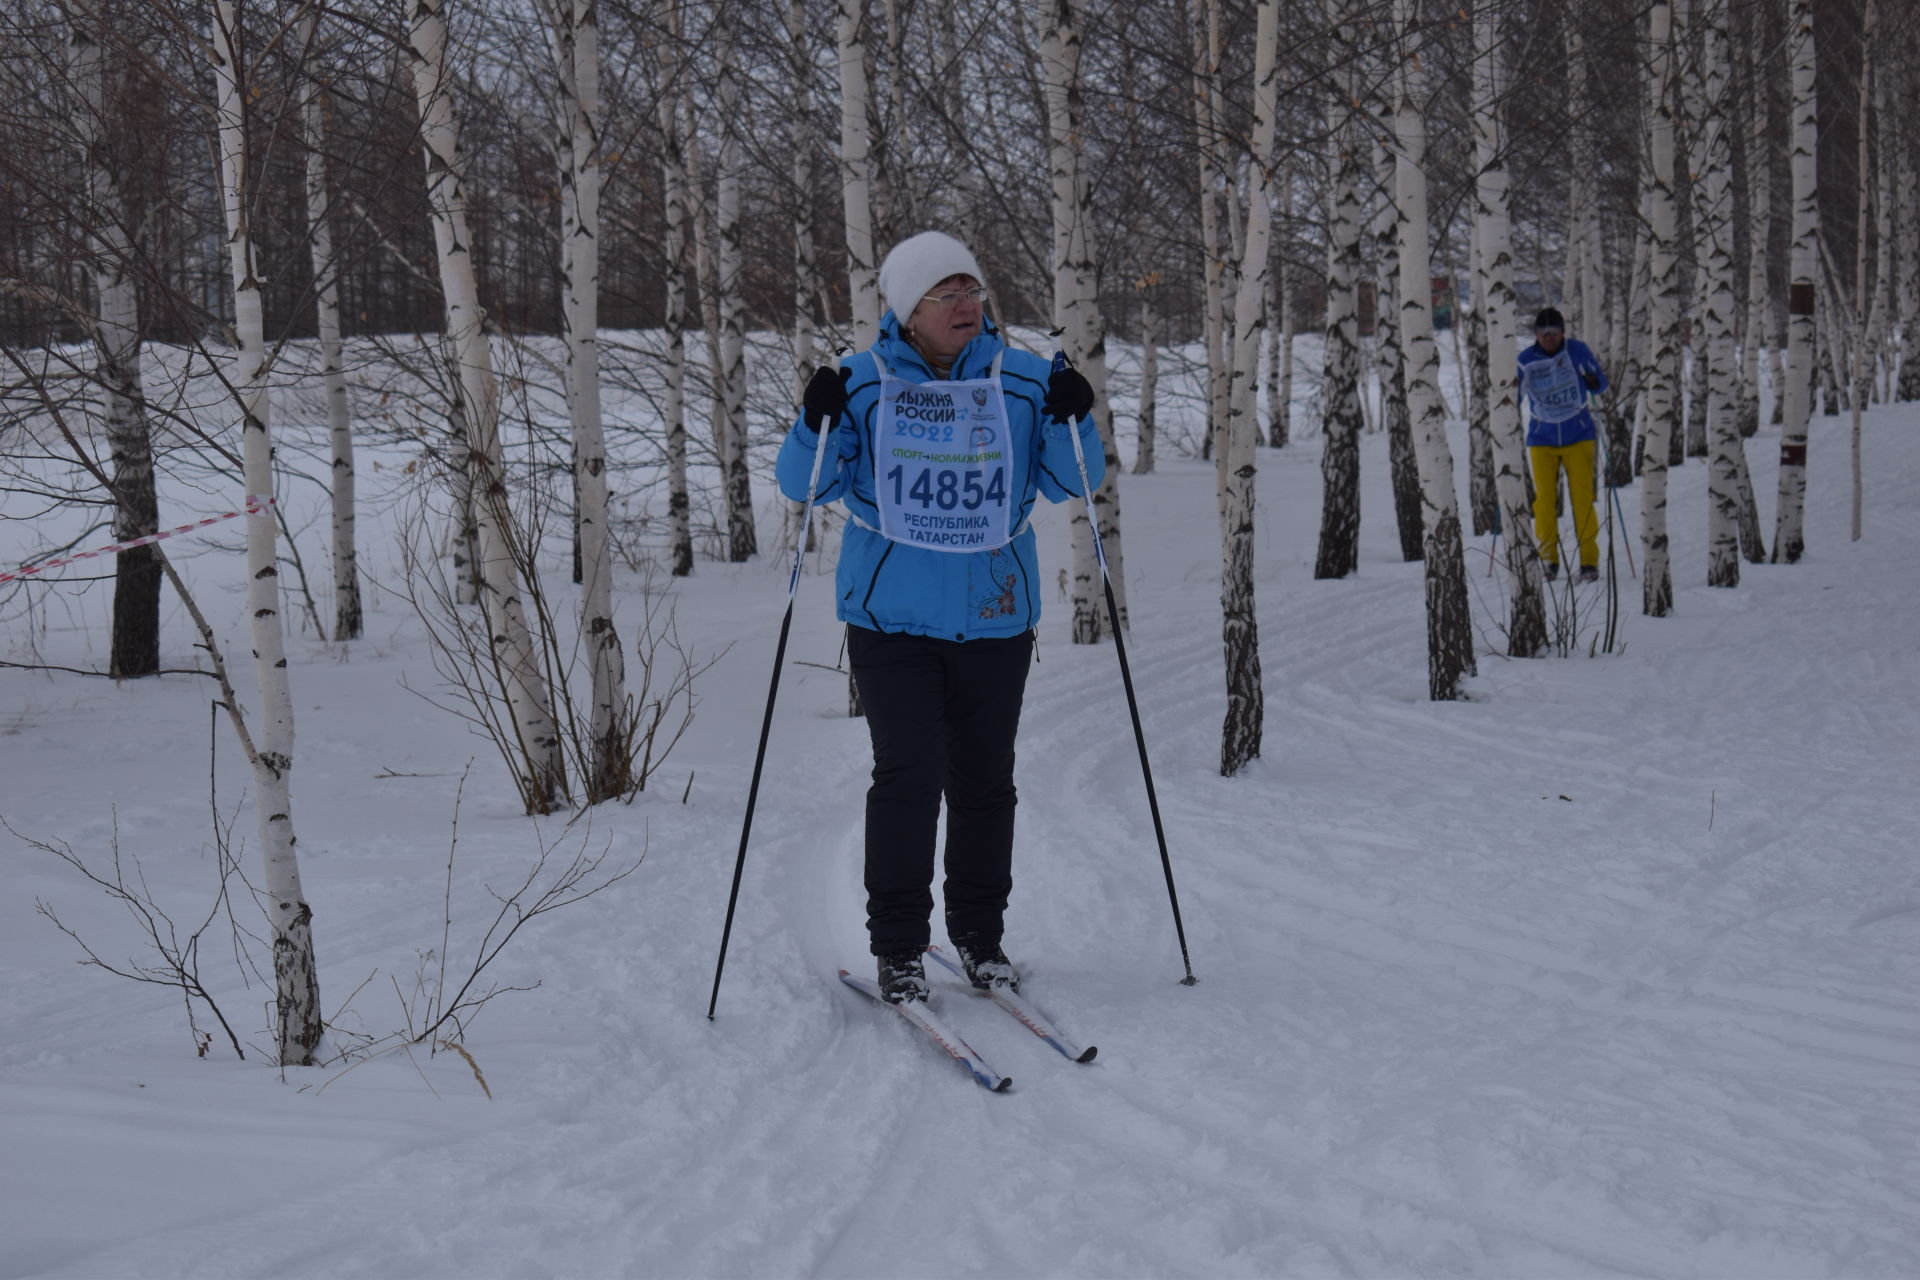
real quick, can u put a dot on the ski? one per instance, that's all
(1017, 1005)
(921, 1016)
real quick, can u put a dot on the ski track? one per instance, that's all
(1605, 971)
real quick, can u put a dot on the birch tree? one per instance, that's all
(804, 344)
(539, 766)
(1483, 499)
(333, 377)
(1662, 314)
(135, 641)
(1390, 353)
(576, 44)
(1449, 619)
(1342, 417)
(1246, 699)
(1076, 312)
(1758, 139)
(1589, 273)
(297, 1020)
(1714, 231)
(856, 174)
(1788, 534)
(1493, 230)
(1860, 381)
(1881, 332)
(1690, 131)
(800, 141)
(1204, 24)
(1146, 427)
(725, 283)
(673, 164)
(1907, 387)
(1280, 333)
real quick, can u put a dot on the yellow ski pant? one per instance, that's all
(1577, 461)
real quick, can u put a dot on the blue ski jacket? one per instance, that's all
(1556, 395)
(888, 586)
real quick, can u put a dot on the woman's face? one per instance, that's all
(939, 332)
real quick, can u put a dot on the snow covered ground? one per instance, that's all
(1609, 970)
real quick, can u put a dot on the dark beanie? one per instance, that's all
(1549, 318)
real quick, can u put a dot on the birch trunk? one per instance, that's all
(1526, 620)
(1076, 311)
(1862, 374)
(1342, 415)
(1589, 272)
(1881, 331)
(577, 46)
(1204, 22)
(701, 207)
(326, 304)
(1204, 25)
(297, 1019)
(1240, 632)
(1714, 232)
(1829, 334)
(1640, 344)
(464, 536)
(135, 640)
(1907, 386)
(1449, 619)
(800, 139)
(1662, 315)
(1789, 541)
(1759, 161)
(1280, 340)
(673, 164)
(743, 542)
(1390, 353)
(1482, 498)
(804, 349)
(539, 767)
(1147, 428)
(856, 175)
(856, 200)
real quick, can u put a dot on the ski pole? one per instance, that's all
(1126, 678)
(773, 690)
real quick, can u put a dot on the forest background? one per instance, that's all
(470, 331)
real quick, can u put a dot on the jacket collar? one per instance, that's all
(897, 354)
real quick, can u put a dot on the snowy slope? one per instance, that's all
(1606, 971)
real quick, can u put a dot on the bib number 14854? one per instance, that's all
(947, 490)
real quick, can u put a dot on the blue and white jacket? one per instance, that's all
(1556, 395)
(887, 586)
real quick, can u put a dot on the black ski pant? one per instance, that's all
(943, 715)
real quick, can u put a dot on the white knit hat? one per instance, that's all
(917, 264)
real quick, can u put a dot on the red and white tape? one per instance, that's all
(255, 504)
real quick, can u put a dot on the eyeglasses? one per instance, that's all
(944, 300)
(1549, 333)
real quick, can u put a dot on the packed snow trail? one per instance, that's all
(1607, 971)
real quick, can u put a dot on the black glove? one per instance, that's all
(1069, 396)
(825, 398)
(1592, 380)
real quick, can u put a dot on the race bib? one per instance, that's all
(942, 466)
(1554, 390)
